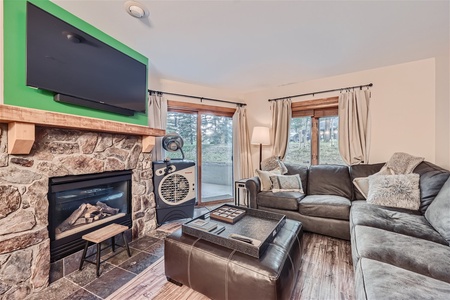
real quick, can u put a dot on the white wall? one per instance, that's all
(403, 107)
(443, 110)
(156, 83)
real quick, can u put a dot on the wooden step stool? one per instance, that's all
(100, 235)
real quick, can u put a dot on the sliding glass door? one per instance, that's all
(216, 158)
(208, 140)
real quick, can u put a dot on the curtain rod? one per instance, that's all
(197, 97)
(321, 92)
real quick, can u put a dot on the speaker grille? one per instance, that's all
(174, 188)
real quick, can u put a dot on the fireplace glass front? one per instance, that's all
(83, 203)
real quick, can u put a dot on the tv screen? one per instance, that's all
(79, 68)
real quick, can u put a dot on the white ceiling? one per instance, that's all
(250, 45)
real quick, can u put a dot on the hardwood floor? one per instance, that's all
(326, 273)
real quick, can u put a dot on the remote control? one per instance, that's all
(219, 230)
(241, 238)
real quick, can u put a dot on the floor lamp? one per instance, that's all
(260, 136)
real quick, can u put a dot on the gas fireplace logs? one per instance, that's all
(85, 214)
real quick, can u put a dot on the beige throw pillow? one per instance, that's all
(264, 177)
(273, 163)
(286, 183)
(362, 183)
(395, 190)
(403, 163)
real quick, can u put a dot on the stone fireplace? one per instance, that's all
(24, 205)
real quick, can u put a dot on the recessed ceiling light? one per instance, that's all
(136, 9)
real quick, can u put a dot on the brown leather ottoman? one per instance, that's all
(221, 273)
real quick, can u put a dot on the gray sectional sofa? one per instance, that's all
(397, 253)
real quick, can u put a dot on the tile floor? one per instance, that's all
(115, 272)
(67, 282)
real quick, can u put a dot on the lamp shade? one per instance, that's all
(260, 135)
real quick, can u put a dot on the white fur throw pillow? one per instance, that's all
(264, 177)
(362, 183)
(395, 191)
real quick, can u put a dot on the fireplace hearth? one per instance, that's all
(80, 204)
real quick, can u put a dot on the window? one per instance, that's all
(313, 137)
(207, 133)
(299, 145)
(328, 141)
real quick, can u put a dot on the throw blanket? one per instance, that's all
(402, 163)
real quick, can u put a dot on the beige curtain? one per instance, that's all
(354, 126)
(281, 120)
(242, 155)
(157, 118)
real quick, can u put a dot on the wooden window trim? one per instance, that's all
(325, 112)
(316, 108)
(314, 141)
(315, 104)
(179, 106)
(316, 113)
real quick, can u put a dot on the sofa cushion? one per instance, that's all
(300, 170)
(325, 206)
(432, 178)
(358, 171)
(377, 280)
(393, 219)
(395, 191)
(438, 213)
(410, 253)
(286, 183)
(281, 200)
(330, 180)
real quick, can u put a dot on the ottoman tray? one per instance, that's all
(257, 224)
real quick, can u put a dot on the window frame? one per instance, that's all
(318, 108)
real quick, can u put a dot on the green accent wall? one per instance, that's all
(15, 90)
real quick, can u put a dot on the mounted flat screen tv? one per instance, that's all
(80, 69)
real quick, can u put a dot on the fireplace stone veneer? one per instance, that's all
(24, 179)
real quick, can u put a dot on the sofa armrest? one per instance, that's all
(253, 186)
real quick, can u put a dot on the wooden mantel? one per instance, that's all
(21, 126)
